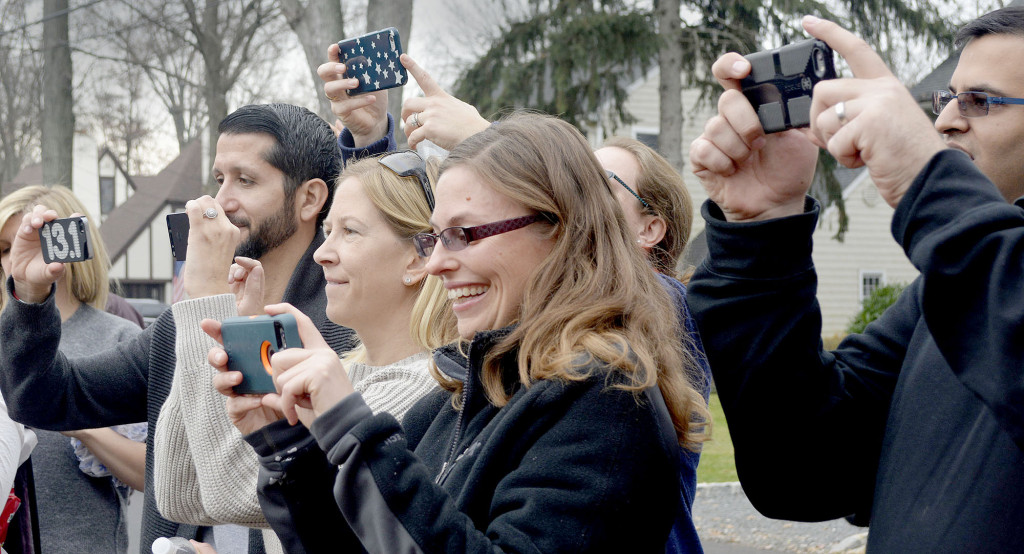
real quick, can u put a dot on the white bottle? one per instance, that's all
(173, 545)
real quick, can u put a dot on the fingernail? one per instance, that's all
(739, 66)
(810, 19)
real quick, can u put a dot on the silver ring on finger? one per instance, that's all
(415, 119)
(841, 112)
(210, 213)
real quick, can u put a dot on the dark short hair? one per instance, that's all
(305, 146)
(1005, 21)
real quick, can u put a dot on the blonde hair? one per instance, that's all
(400, 200)
(661, 186)
(595, 296)
(87, 281)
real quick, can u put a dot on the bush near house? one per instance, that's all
(874, 305)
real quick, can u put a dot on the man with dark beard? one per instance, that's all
(276, 165)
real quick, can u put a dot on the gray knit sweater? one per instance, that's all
(205, 473)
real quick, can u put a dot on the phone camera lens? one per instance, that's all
(819, 62)
(279, 332)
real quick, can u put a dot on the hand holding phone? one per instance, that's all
(373, 59)
(251, 342)
(781, 82)
(65, 240)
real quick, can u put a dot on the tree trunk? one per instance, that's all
(670, 87)
(58, 118)
(398, 14)
(317, 25)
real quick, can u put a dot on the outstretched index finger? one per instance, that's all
(862, 59)
(423, 79)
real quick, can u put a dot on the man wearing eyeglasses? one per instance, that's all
(915, 426)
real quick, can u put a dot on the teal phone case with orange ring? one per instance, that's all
(251, 342)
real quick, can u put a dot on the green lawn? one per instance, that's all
(716, 461)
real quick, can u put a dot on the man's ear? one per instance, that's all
(653, 231)
(310, 198)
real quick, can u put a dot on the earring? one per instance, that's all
(408, 280)
(639, 241)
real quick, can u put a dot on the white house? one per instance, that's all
(130, 211)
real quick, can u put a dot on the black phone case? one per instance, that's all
(177, 229)
(250, 343)
(65, 240)
(781, 81)
(373, 59)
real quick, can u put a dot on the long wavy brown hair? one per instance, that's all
(595, 297)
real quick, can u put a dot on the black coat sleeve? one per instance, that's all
(968, 243)
(806, 424)
(45, 389)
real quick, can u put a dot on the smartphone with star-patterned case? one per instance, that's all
(373, 59)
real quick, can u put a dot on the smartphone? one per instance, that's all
(65, 240)
(373, 59)
(781, 82)
(251, 342)
(177, 228)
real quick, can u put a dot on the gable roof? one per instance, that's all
(180, 181)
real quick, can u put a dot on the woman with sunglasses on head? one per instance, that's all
(376, 285)
(560, 421)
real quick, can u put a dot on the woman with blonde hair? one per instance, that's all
(563, 406)
(376, 285)
(81, 484)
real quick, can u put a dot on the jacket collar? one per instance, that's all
(452, 361)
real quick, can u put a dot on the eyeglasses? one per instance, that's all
(971, 103)
(457, 238)
(612, 175)
(407, 163)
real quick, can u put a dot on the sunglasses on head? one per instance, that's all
(970, 103)
(407, 163)
(614, 177)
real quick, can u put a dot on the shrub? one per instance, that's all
(874, 305)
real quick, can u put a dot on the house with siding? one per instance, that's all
(130, 211)
(848, 270)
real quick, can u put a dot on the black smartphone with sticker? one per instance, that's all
(177, 228)
(781, 82)
(373, 59)
(65, 240)
(251, 342)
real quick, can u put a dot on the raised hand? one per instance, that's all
(439, 117)
(32, 276)
(211, 246)
(245, 277)
(310, 380)
(364, 115)
(883, 127)
(749, 175)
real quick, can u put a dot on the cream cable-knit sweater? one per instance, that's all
(204, 473)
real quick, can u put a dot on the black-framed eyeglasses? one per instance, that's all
(407, 163)
(612, 175)
(457, 238)
(971, 103)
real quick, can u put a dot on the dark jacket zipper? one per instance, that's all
(446, 468)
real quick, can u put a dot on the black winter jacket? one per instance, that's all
(563, 467)
(919, 421)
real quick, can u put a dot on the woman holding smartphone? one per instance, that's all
(563, 408)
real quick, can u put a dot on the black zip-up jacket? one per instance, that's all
(563, 467)
(919, 421)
